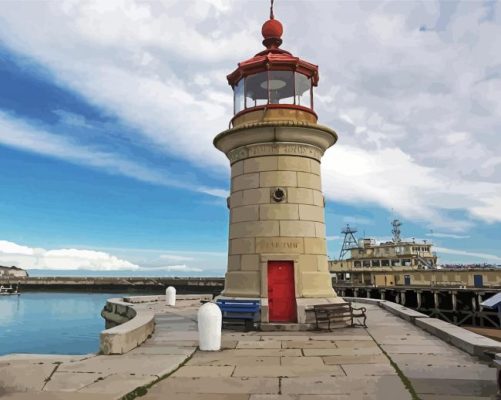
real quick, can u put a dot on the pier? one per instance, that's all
(401, 355)
(458, 306)
(184, 285)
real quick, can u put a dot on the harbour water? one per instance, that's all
(51, 323)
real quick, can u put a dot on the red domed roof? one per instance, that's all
(272, 29)
(273, 58)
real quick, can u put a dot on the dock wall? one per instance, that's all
(206, 285)
(127, 327)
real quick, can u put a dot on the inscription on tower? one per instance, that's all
(280, 245)
(271, 149)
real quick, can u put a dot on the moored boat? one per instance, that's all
(9, 290)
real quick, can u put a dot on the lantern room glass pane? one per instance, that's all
(256, 90)
(303, 90)
(239, 96)
(281, 86)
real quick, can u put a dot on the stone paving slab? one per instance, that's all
(25, 375)
(311, 344)
(358, 370)
(129, 364)
(51, 396)
(221, 359)
(264, 352)
(454, 387)
(115, 385)
(195, 371)
(247, 344)
(355, 359)
(461, 372)
(231, 385)
(430, 360)
(288, 371)
(440, 397)
(162, 350)
(346, 351)
(72, 382)
(313, 362)
(414, 349)
(387, 385)
(199, 396)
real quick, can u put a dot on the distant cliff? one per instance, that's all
(14, 272)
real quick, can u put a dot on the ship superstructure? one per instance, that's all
(368, 255)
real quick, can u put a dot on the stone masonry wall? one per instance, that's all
(261, 226)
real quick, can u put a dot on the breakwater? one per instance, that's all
(456, 305)
(205, 285)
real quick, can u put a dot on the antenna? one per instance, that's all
(349, 242)
(271, 10)
(396, 230)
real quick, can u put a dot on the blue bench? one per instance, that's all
(243, 310)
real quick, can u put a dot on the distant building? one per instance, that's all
(12, 272)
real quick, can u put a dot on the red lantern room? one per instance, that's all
(273, 78)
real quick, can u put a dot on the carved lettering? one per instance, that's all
(270, 149)
(278, 245)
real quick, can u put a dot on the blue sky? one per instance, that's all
(108, 110)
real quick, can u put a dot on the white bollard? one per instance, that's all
(209, 327)
(170, 296)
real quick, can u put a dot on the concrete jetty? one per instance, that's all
(118, 284)
(94, 376)
(392, 359)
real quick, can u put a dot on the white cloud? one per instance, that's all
(180, 268)
(483, 256)
(21, 135)
(447, 235)
(176, 257)
(417, 110)
(61, 259)
(69, 259)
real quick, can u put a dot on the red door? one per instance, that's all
(281, 292)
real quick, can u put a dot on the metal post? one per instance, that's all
(418, 300)
(480, 309)
(474, 310)
(454, 306)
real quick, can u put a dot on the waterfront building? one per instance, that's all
(277, 248)
(403, 263)
(12, 272)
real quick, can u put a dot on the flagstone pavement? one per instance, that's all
(392, 360)
(381, 362)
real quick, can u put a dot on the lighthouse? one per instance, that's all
(277, 247)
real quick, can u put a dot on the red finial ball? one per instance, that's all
(272, 29)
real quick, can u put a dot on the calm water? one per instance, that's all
(55, 323)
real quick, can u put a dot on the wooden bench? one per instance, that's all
(329, 313)
(243, 310)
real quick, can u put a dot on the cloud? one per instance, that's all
(72, 259)
(180, 268)
(61, 259)
(24, 136)
(175, 257)
(484, 256)
(447, 235)
(417, 110)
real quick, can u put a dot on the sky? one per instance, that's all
(108, 111)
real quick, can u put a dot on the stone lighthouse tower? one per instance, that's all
(277, 248)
